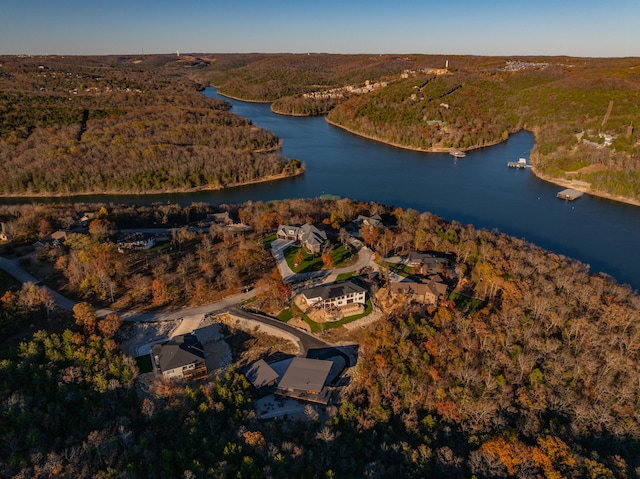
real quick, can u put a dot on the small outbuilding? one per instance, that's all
(260, 374)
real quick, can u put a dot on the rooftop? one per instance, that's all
(178, 351)
(330, 291)
(306, 374)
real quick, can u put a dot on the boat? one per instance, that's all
(458, 153)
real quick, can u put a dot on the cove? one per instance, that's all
(478, 189)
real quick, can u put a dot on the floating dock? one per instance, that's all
(569, 194)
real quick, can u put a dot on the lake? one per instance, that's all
(478, 189)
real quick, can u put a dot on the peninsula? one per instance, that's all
(581, 110)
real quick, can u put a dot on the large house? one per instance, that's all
(427, 264)
(428, 292)
(310, 238)
(335, 295)
(181, 357)
(305, 379)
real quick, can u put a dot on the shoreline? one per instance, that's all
(196, 189)
(239, 99)
(411, 148)
(556, 181)
(579, 186)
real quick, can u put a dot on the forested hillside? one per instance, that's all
(122, 124)
(529, 370)
(581, 110)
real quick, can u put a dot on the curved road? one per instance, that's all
(231, 304)
(305, 340)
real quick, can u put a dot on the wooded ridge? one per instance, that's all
(118, 124)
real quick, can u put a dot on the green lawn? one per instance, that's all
(341, 257)
(466, 303)
(315, 327)
(285, 315)
(401, 269)
(267, 240)
(344, 276)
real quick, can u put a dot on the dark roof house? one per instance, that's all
(305, 379)
(181, 357)
(311, 238)
(335, 294)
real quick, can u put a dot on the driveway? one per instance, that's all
(324, 276)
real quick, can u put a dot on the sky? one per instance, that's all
(583, 28)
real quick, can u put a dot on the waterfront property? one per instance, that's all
(427, 264)
(521, 163)
(427, 292)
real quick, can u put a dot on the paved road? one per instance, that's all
(12, 267)
(230, 304)
(306, 340)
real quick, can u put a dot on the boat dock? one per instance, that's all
(569, 194)
(521, 163)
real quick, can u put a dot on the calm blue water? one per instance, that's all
(477, 189)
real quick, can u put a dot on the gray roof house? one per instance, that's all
(427, 263)
(335, 294)
(181, 357)
(310, 238)
(305, 379)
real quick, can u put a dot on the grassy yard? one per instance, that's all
(401, 269)
(316, 327)
(344, 276)
(466, 303)
(267, 240)
(286, 314)
(340, 255)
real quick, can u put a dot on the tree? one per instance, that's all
(110, 325)
(160, 292)
(369, 234)
(85, 317)
(99, 228)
